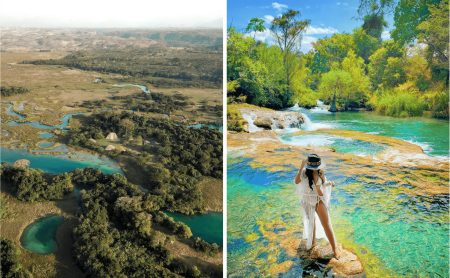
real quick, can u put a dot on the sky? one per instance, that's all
(327, 17)
(112, 14)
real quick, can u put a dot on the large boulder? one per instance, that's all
(263, 122)
(348, 264)
(110, 148)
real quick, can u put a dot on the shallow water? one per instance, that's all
(220, 127)
(394, 234)
(40, 236)
(143, 88)
(208, 227)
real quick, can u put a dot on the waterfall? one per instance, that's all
(250, 118)
(308, 125)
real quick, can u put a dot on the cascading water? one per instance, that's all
(250, 118)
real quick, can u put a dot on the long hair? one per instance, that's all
(309, 174)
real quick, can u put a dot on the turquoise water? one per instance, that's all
(220, 127)
(40, 236)
(208, 227)
(431, 134)
(404, 235)
(46, 135)
(59, 164)
(46, 144)
(143, 88)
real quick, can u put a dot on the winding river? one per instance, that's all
(395, 226)
(39, 236)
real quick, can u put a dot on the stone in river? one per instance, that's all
(265, 123)
(348, 265)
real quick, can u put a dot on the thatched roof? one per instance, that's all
(112, 136)
(110, 147)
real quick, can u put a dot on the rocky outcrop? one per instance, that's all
(110, 148)
(22, 162)
(267, 119)
(348, 264)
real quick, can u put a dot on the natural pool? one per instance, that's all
(394, 229)
(40, 236)
(208, 227)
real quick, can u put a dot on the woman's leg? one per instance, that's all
(322, 212)
(314, 235)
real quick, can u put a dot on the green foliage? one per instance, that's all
(33, 185)
(12, 90)
(207, 248)
(398, 103)
(11, 266)
(234, 120)
(407, 17)
(438, 103)
(336, 82)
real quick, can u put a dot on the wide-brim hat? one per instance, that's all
(314, 162)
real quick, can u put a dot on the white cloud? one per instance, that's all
(338, 3)
(261, 36)
(385, 35)
(322, 24)
(345, 4)
(306, 43)
(308, 7)
(268, 18)
(313, 30)
(278, 6)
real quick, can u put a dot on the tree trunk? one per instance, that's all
(333, 103)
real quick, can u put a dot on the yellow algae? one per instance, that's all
(367, 169)
(251, 237)
(281, 268)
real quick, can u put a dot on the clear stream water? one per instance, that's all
(399, 235)
(40, 236)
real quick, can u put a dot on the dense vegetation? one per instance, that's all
(183, 154)
(114, 237)
(359, 70)
(34, 185)
(11, 266)
(12, 90)
(208, 38)
(161, 67)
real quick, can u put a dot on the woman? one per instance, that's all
(315, 193)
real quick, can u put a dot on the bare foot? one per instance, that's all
(312, 246)
(337, 253)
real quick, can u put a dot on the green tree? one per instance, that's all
(372, 12)
(407, 17)
(435, 34)
(336, 81)
(287, 32)
(254, 26)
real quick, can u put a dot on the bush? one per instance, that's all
(398, 103)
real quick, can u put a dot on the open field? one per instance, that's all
(21, 214)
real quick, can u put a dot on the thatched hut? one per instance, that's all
(112, 136)
(110, 147)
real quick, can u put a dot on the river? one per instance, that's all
(396, 226)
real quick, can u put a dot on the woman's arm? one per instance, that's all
(298, 176)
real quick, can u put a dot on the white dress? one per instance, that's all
(309, 198)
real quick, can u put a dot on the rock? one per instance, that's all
(348, 265)
(22, 162)
(112, 136)
(265, 123)
(92, 140)
(245, 127)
